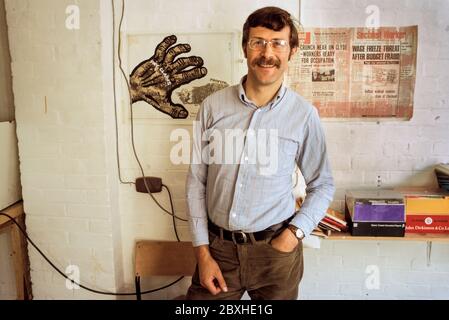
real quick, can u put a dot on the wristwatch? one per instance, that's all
(296, 231)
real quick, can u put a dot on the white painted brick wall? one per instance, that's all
(399, 153)
(403, 270)
(58, 90)
(141, 218)
(67, 159)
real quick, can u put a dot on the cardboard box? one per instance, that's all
(378, 229)
(375, 206)
(425, 201)
(427, 210)
(375, 213)
(427, 223)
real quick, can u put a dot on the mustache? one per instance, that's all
(271, 61)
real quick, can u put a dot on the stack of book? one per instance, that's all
(333, 221)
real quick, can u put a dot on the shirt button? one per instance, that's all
(241, 185)
(234, 215)
(246, 158)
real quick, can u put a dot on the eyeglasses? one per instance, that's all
(259, 44)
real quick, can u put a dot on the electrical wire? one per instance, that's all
(173, 210)
(131, 112)
(173, 217)
(81, 285)
(172, 213)
(115, 98)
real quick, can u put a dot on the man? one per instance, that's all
(246, 233)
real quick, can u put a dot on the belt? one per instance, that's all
(240, 237)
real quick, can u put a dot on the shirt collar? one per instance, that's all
(272, 104)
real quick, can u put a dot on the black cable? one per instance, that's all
(119, 172)
(131, 114)
(173, 210)
(120, 178)
(115, 98)
(177, 237)
(73, 281)
(175, 229)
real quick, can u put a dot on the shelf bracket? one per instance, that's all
(429, 252)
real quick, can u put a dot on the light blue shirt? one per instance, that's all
(240, 195)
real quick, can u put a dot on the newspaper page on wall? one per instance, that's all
(357, 72)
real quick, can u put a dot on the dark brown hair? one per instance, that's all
(273, 18)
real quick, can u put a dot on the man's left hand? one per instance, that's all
(285, 242)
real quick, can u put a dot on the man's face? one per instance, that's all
(267, 66)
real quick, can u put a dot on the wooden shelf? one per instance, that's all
(408, 237)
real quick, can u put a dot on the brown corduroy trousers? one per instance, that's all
(256, 267)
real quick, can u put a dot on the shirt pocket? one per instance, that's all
(287, 155)
(287, 146)
(279, 159)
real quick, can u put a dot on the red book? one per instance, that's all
(335, 215)
(335, 223)
(330, 226)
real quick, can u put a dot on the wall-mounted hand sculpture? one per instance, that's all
(155, 79)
